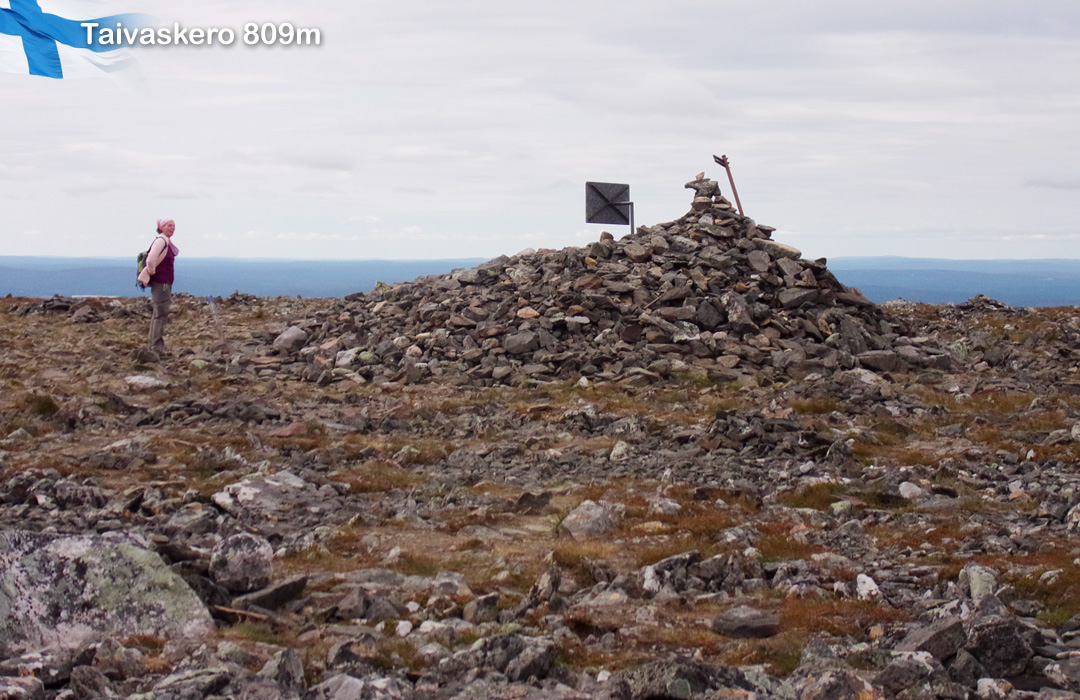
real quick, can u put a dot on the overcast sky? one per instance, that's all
(434, 129)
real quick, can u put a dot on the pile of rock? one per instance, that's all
(709, 293)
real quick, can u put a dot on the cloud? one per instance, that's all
(424, 128)
(335, 162)
(1054, 184)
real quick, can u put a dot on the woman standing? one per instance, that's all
(158, 275)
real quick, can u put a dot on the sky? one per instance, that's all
(428, 129)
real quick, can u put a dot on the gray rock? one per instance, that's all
(758, 260)
(273, 596)
(909, 671)
(744, 622)
(380, 608)
(880, 360)
(738, 313)
(965, 669)
(794, 298)
(682, 679)
(86, 683)
(941, 638)
(243, 562)
(834, 684)
(21, 689)
(636, 252)
(482, 609)
(1065, 673)
(343, 687)
(911, 491)
(48, 581)
(286, 670)
(521, 343)
(981, 581)
(275, 496)
(591, 519)
(198, 682)
(534, 661)
(118, 661)
(291, 340)
(778, 250)
(1000, 646)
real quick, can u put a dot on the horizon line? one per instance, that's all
(481, 258)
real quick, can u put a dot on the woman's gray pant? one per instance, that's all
(161, 301)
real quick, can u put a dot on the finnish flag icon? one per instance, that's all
(47, 38)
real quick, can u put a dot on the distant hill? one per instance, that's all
(44, 277)
(940, 281)
(928, 280)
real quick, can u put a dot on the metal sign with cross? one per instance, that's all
(41, 32)
(608, 203)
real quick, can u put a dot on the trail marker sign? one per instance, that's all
(608, 203)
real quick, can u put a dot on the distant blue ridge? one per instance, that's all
(1020, 283)
(45, 277)
(926, 280)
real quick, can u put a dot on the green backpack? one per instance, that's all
(140, 263)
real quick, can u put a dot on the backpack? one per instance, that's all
(140, 263)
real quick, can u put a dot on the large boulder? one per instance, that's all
(291, 340)
(592, 519)
(58, 593)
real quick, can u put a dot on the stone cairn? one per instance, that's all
(707, 294)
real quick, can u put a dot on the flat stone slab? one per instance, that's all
(744, 622)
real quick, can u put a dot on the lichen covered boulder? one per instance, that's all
(58, 593)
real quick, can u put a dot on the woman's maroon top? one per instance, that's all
(164, 272)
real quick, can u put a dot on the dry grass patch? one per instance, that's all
(701, 522)
(1051, 577)
(907, 453)
(988, 404)
(377, 476)
(779, 654)
(578, 657)
(815, 496)
(496, 490)
(258, 632)
(572, 554)
(41, 405)
(781, 541)
(1018, 329)
(615, 491)
(851, 618)
(945, 534)
(816, 405)
(456, 519)
(713, 403)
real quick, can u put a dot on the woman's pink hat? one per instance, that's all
(162, 222)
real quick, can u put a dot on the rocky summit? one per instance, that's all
(683, 464)
(710, 292)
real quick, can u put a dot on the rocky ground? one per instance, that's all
(684, 464)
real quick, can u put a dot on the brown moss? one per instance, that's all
(780, 654)
(778, 542)
(571, 554)
(41, 405)
(815, 496)
(377, 476)
(836, 617)
(260, 632)
(816, 405)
